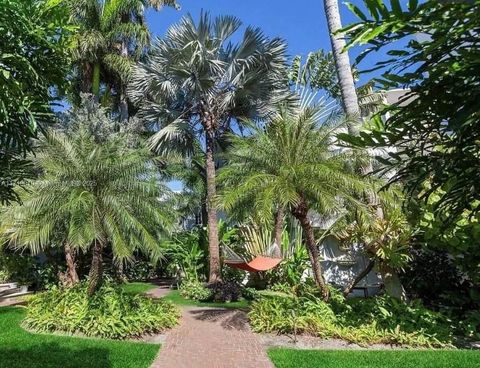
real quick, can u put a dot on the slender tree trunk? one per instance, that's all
(300, 212)
(96, 269)
(71, 265)
(279, 220)
(359, 278)
(96, 81)
(123, 107)
(87, 77)
(342, 62)
(213, 245)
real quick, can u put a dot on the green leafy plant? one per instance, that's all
(362, 321)
(110, 313)
(186, 255)
(193, 289)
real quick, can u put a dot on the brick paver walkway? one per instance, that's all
(212, 338)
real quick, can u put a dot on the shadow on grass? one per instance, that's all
(53, 355)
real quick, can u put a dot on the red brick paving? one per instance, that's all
(212, 338)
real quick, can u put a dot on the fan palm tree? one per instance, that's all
(292, 163)
(196, 84)
(112, 35)
(90, 194)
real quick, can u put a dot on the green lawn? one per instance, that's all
(291, 358)
(176, 298)
(21, 349)
(137, 287)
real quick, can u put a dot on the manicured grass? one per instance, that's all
(137, 287)
(21, 349)
(176, 298)
(291, 358)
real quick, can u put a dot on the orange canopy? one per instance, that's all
(255, 265)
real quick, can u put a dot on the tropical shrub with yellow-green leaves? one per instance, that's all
(362, 321)
(109, 313)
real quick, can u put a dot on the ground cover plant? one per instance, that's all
(369, 321)
(109, 313)
(289, 358)
(20, 348)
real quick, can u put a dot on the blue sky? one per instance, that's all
(301, 23)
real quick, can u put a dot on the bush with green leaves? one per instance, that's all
(192, 289)
(362, 321)
(109, 313)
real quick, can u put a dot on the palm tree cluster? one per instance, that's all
(196, 85)
(90, 194)
(112, 35)
(218, 114)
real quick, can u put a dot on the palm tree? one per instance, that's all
(292, 164)
(90, 194)
(342, 61)
(112, 35)
(196, 84)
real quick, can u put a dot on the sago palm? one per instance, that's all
(292, 163)
(197, 83)
(90, 195)
(112, 34)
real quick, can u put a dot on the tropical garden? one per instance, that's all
(332, 209)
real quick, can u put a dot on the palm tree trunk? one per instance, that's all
(300, 212)
(72, 274)
(123, 107)
(342, 62)
(96, 269)
(359, 278)
(87, 78)
(278, 230)
(96, 81)
(213, 245)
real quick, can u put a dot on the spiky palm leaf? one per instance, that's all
(197, 83)
(90, 191)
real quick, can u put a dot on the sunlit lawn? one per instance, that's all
(137, 287)
(291, 358)
(20, 349)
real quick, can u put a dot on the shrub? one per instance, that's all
(362, 321)
(192, 289)
(109, 313)
(225, 291)
(250, 293)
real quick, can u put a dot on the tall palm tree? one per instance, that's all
(112, 35)
(342, 61)
(90, 194)
(292, 163)
(197, 84)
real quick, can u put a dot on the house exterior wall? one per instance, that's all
(341, 266)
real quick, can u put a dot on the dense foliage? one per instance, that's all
(109, 313)
(93, 191)
(362, 321)
(434, 128)
(33, 60)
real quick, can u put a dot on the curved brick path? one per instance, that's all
(211, 338)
